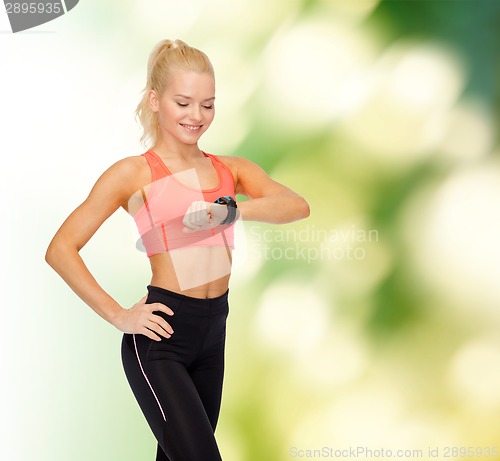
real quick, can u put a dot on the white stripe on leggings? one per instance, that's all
(151, 387)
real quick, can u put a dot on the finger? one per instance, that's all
(162, 307)
(201, 213)
(150, 334)
(202, 216)
(188, 216)
(195, 216)
(192, 220)
(207, 217)
(159, 329)
(185, 220)
(164, 325)
(159, 320)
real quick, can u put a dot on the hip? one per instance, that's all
(199, 327)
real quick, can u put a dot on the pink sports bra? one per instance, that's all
(159, 219)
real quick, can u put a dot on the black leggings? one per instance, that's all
(178, 381)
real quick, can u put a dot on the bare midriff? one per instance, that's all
(199, 272)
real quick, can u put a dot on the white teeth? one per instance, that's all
(192, 127)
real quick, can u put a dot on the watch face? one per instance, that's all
(226, 200)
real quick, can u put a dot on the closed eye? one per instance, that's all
(209, 107)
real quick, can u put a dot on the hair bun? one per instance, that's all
(173, 44)
(170, 44)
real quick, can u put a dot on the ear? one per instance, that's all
(153, 100)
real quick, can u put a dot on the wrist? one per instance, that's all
(116, 317)
(231, 209)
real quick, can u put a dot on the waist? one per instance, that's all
(201, 272)
(160, 294)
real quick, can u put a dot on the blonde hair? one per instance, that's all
(167, 56)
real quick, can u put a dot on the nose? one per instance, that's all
(195, 114)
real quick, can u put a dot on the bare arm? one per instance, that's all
(271, 201)
(112, 189)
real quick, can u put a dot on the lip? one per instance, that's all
(185, 126)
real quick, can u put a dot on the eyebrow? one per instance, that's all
(189, 97)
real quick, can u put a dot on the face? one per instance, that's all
(186, 107)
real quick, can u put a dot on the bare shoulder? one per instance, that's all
(239, 164)
(132, 172)
(130, 166)
(119, 182)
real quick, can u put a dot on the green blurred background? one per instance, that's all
(373, 324)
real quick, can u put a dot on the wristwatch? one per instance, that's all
(231, 208)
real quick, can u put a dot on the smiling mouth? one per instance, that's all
(192, 128)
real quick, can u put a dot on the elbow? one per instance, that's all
(51, 254)
(55, 253)
(298, 209)
(306, 210)
(303, 210)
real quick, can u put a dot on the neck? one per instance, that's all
(167, 149)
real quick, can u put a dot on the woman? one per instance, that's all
(183, 201)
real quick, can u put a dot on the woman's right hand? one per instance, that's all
(140, 319)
